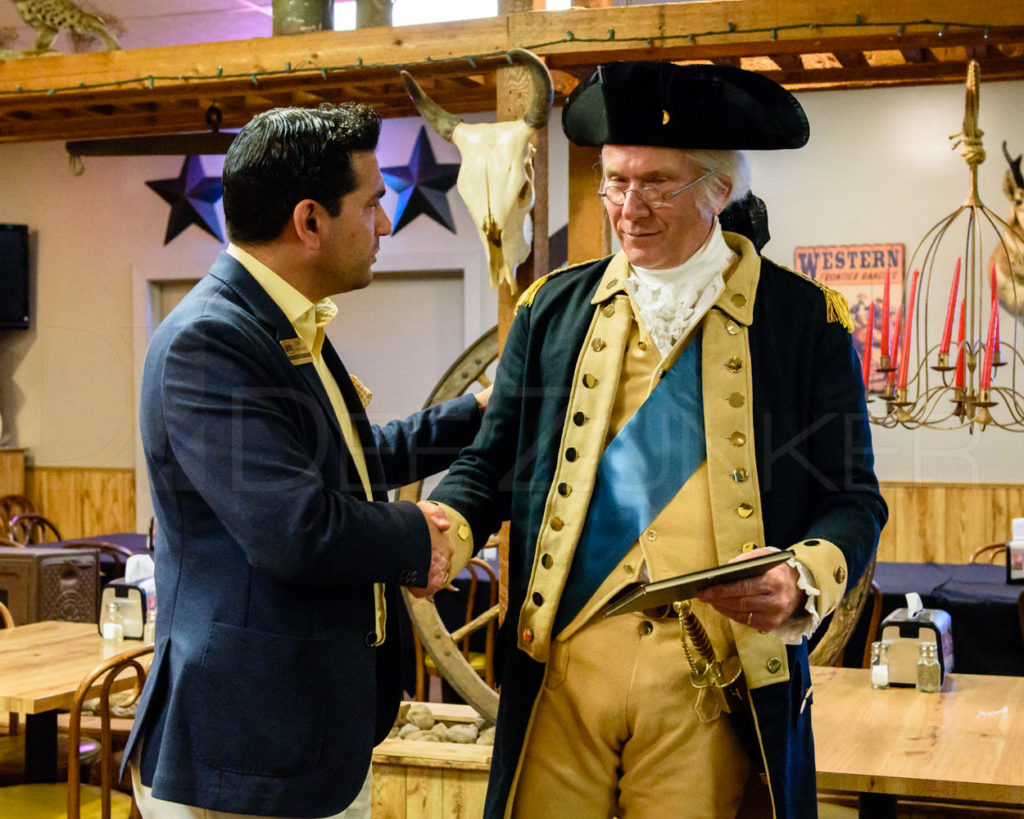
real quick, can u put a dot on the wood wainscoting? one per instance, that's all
(83, 501)
(946, 522)
(941, 522)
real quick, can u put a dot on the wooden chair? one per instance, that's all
(989, 554)
(481, 661)
(31, 529)
(12, 746)
(874, 621)
(11, 505)
(74, 800)
(120, 554)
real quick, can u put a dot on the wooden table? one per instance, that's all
(41, 666)
(965, 743)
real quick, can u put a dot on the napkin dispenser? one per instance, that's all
(905, 629)
(134, 600)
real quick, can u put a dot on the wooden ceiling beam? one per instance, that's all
(805, 46)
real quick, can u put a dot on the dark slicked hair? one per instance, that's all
(285, 155)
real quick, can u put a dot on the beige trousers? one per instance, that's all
(615, 733)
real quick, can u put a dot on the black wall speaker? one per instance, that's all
(14, 277)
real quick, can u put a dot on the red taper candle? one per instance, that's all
(947, 327)
(884, 339)
(961, 361)
(986, 370)
(908, 323)
(869, 341)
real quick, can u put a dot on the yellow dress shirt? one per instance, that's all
(309, 321)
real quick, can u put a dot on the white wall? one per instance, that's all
(878, 169)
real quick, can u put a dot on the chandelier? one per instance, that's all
(943, 380)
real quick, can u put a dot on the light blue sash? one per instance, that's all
(641, 470)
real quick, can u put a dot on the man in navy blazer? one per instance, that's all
(276, 667)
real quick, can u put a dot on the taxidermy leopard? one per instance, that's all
(48, 17)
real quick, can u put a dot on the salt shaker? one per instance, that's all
(929, 673)
(879, 665)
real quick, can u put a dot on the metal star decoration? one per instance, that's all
(191, 197)
(422, 186)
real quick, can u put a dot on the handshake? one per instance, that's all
(440, 550)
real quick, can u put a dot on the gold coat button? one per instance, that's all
(737, 439)
(527, 635)
(749, 546)
(598, 344)
(737, 399)
(773, 665)
(840, 575)
(739, 299)
(732, 328)
(744, 510)
(464, 531)
(734, 365)
(564, 489)
(608, 310)
(740, 475)
(652, 535)
(589, 381)
(642, 346)
(556, 523)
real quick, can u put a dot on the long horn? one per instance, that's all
(536, 115)
(436, 117)
(1014, 166)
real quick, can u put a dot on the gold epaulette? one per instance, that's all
(837, 308)
(527, 297)
(531, 291)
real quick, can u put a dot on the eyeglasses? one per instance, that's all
(650, 196)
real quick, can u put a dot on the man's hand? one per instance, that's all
(440, 550)
(764, 602)
(483, 397)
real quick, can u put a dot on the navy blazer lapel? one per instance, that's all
(258, 302)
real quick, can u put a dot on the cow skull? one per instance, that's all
(1008, 256)
(496, 177)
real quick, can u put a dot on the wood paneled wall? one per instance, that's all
(941, 522)
(945, 522)
(84, 501)
(12, 471)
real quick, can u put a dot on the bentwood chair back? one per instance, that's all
(481, 661)
(11, 505)
(993, 553)
(31, 529)
(75, 800)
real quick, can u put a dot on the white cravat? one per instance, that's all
(670, 301)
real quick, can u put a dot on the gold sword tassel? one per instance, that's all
(706, 671)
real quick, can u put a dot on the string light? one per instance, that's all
(570, 37)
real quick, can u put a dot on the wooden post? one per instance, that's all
(589, 233)
(373, 13)
(302, 16)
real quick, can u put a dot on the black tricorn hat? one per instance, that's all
(697, 107)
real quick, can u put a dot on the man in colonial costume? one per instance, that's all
(680, 404)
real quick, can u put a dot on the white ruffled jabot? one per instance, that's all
(670, 301)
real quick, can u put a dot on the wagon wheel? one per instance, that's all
(441, 645)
